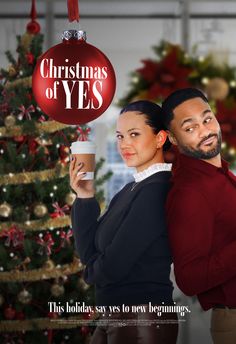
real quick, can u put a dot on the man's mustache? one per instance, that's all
(206, 138)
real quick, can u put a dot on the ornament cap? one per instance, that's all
(74, 34)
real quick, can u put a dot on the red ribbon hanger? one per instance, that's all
(73, 10)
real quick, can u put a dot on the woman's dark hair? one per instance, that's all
(152, 112)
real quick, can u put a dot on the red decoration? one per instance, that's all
(15, 236)
(19, 138)
(64, 151)
(53, 315)
(20, 315)
(42, 119)
(65, 237)
(165, 76)
(9, 313)
(33, 27)
(74, 82)
(46, 244)
(73, 10)
(30, 58)
(25, 112)
(60, 211)
(83, 133)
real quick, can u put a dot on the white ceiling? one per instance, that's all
(121, 7)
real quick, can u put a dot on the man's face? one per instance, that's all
(195, 129)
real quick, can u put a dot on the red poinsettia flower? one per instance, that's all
(165, 76)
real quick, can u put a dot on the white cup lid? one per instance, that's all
(83, 147)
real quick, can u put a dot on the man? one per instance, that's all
(201, 211)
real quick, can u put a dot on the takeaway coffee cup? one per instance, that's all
(84, 151)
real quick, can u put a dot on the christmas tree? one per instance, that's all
(173, 68)
(38, 261)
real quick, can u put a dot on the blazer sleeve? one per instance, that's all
(143, 223)
(191, 230)
(84, 218)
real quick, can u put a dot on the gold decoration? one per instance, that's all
(26, 40)
(42, 273)
(24, 82)
(9, 121)
(217, 89)
(59, 171)
(24, 297)
(57, 289)
(40, 128)
(12, 71)
(40, 210)
(70, 197)
(82, 284)
(5, 209)
(43, 324)
(49, 265)
(35, 225)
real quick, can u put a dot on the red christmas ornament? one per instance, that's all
(30, 58)
(20, 315)
(9, 313)
(20, 138)
(74, 82)
(53, 315)
(33, 27)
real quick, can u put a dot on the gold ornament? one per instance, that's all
(22, 82)
(217, 89)
(40, 210)
(57, 289)
(142, 95)
(49, 265)
(26, 40)
(1, 300)
(9, 121)
(24, 297)
(12, 71)
(70, 197)
(5, 209)
(82, 284)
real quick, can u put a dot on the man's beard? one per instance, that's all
(198, 153)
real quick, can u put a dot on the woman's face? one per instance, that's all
(136, 141)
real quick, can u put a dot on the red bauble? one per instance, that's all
(33, 27)
(20, 315)
(52, 315)
(74, 82)
(9, 313)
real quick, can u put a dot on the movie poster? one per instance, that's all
(82, 213)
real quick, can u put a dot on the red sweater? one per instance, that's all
(201, 215)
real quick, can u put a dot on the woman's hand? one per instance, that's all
(83, 188)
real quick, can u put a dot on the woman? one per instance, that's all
(126, 251)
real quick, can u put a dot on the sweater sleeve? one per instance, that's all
(84, 215)
(143, 223)
(191, 230)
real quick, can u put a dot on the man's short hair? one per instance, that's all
(176, 98)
